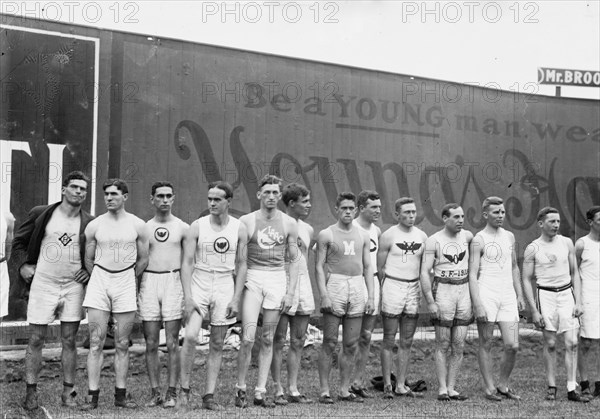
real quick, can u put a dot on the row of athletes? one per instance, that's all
(208, 270)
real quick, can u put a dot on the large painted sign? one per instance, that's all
(194, 113)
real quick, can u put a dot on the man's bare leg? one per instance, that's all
(251, 306)
(278, 344)
(298, 327)
(364, 348)
(265, 356)
(124, 323)
(331, 325)
(172, 328)
(442, 344)
(151, 335)
(97, 324)
(550, 356)
(68, 332)
(510, 338)
(390, 327)
(571, 338)
(459, 335)
(408, 326)
(351, 330)
(485, 332)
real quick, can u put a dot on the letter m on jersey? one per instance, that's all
(349, 248)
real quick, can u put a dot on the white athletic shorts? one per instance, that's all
(400, 298)
(51, 298)
(4, 288)
(500, 304)
(304, 302)
(112, 291)
(590, 320)
(160, 297)
(454, 302)
(376, 295)
(213, 291)
(269, 287)
(557, 310)
(347, 295)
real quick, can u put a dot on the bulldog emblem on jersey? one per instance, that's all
(221, 245)
(161, 234)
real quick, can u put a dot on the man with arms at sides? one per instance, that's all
(116, 254)
(448, 300)
(343, 266)
(495, 285)
(7, 225)
(587, 254)
(161, 294)
(297, 201)
(272, 238)
(369, 210)
(551, 259)
(48, 249)
(399, 264)
(213, 272)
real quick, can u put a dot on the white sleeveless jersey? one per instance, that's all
(373, 246)
(216, 250)
(496, 259)
(589, 269)
(551, 261)
(453, 256)
(404, 258)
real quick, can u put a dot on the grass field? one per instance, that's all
(528, 381)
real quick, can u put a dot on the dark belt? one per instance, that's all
(161, 272)
(451, 281)
(400, 279)
(555, 289)
(2, 260)
(114, 272)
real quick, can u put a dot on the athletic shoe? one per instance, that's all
(89, 404)
(170, 400)
(596, 389)
(280, 400)
(209, 403)
(182, 401)
(300, 398)
(551, 394)
(68, 400)
(240, 399)
(493, 397)
(574, 396)
(388, 393)
(325, 399)
(351, 397)
(264, 402)
(155, 400)
(126, 402)
(361, 392)
(30, 402)
(509, 393)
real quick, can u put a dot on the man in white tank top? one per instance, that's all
(399, 264)
(297, 201)
(369, 210)
(48, 250)
(213, 273)
(116, 254)
(495, 285)
(7, 224)
(161, 295)
(446, 254)
(587, 253)
(551, 260)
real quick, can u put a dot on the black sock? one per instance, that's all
(155, 391)
(172, 391)
(185, 390)
(206, 397)
(32, 388)
(120, 393)
(584, 385)
(95, 395)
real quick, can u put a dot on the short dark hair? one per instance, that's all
(345, 196)
(119, 183)
(270, 180)
(491, 200)
(160, 184)
(591, 213)
(222, 185)
(403, 201)
(448, 207)
(293, 192)
(545, 211)
(364, 196)
(75, 175)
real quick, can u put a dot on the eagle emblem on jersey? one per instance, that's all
(456, 258)
(161, 234)
(221, 245)
(409, 247)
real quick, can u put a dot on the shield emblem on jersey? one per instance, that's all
(161, 234)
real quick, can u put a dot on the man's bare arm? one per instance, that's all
(475, 250)
(323, 240)
(142, 243)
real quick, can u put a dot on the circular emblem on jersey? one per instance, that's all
(161, 234)
(373, 246)
(221, 245)
(264, 239)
